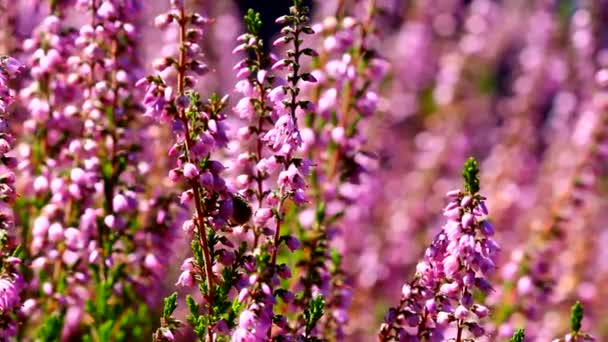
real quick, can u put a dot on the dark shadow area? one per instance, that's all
(269, 10)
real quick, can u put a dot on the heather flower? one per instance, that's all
(270, 104)
(85, 172)
(11, 282)
(452, 269)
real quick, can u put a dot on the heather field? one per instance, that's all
(303, 170)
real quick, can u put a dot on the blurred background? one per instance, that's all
(519, 84)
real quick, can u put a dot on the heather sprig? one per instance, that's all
(291, 179)
(268, 170)
(576, 319)
(535, 275)
(11, 278)
(345, 100)
(200, 132)
(256, 177)
(457, 264)
(518, 336)
(85, 178)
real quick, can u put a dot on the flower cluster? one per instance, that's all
(83, 174)
(458, 262)
(11, 280)
(576, 320)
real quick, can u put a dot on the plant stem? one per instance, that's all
(200, 213)
(293, 106)
(459, 334)
(277, 232)
(347, 91)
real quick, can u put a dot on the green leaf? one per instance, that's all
(428, 104)
(19, 252)
(336, 258)
(320, 212)
(470, 173)
(253, 22)
(313, 313)
(105, 331)
(192, 306)
(170, 305)
(51, 330)
(518, 336)
(577, 317)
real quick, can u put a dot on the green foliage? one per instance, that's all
(197, 321)
(253, 22)
(114, 317)
(170, 305)
(576, 317)
(470, 173)
(19, 252)
(192, 306)
(320, 213)
(428, 104)
(105, 331)
(313, 313)
(518, 336)
(51, 329)
(336, 258)
(3, 237)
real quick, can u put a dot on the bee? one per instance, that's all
(241, 212)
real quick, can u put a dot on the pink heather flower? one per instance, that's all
(151, 262)
(112, 222)
(72, 237)
(262, 216)
(243, 294)
(443, 318)
(244, 108)
(78, 176)
(28, 306)
(247, 319)
(243, 335)
(186, 197)
(450, 289)
(190, 171)
(55, 232)
(451, 265)
(452, 214)
(480, 310)
(406, 291)
(291, 178)
(185, 279)
(9, 295)
(41, 227)
(162, 21)
(41, 184)
(167, 334)
(120, 203)
(524, 285)
(461, 312)
(47, 288)
(467, 220)
(187, 264)
(106, 10)
(280, 41)
(188, 226)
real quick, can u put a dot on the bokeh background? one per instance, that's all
(519, 84)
